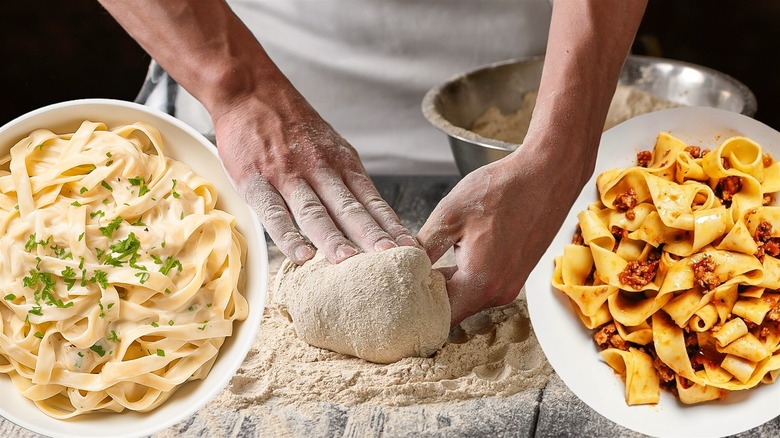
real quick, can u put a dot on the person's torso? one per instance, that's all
(365, 65)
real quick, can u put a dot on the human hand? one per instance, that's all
(304, 181)
(500, 219)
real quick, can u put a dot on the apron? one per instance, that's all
(365, 66)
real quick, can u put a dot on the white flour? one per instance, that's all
(284, 380)
(627, 102)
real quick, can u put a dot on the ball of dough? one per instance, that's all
(378, 306)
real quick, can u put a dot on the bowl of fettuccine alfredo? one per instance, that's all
(132, 275)
(658, 302)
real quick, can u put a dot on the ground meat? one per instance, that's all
(694, 151)
(704, 273)
(608, 337)
(767, 160)
(763, 231)
(769, 199)
(704, 152)
(618, 232)
(726, 162)
(774, 313)
(728, 187)
(767, 245)
(643, 158)
(576, 238)
(638, 273)
(625, 203)
(664, 372)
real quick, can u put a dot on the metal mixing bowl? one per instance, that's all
(453, 106)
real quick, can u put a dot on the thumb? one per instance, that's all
(436, 237)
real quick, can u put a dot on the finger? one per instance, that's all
(351, 215)
(384, 215)
(436, 236)
(316, 223)
(270, 208)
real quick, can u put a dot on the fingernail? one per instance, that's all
(304, 253)
(345, 251)
(384, 244)
(406, 240)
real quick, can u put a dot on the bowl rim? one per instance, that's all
(431, 113)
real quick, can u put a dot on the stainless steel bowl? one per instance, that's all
(453, 106)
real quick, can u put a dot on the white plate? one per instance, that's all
(188, 146)
(569, 345)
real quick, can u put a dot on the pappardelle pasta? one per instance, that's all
(120, 280)
(676, 269)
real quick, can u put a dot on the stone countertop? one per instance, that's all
(553, 411)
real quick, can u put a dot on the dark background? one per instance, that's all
(60, 50)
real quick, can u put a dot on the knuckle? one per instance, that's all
(350, 206)
(310, 211)
(274, 213)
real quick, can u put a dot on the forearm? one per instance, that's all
(204, 46)
(588, 43)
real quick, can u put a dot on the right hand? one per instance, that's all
(304, 181)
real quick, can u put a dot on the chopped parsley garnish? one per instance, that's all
(38, 335)
(142, 276)
(161, 352)
(45, 291)
(191, 308)
(32, 242)
(138, 223)
(170, 322)
(102, 313)
(81, 237)
(68, 276)
(61, 253)
(83, 190)
(97, 348)
(36, 310)
(76, 204)
(173, 190)
(203, 327)
(107, 186)
(154, 324)
(10, 297)
(101, 278)
(138, 181)
(97, 213)
(112, 337)
(109, 229)
(169, 263)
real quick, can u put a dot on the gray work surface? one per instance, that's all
(551, 412)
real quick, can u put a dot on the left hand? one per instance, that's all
(500, 219)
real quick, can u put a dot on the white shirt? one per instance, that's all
(365, 65)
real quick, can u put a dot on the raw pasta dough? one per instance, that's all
(380, 306)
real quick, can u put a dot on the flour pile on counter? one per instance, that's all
(494, 353)
(627, 102)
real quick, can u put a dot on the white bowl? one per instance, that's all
(569, 345)
(188, 146)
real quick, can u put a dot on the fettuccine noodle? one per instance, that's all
(119, 278)
(676, 268)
